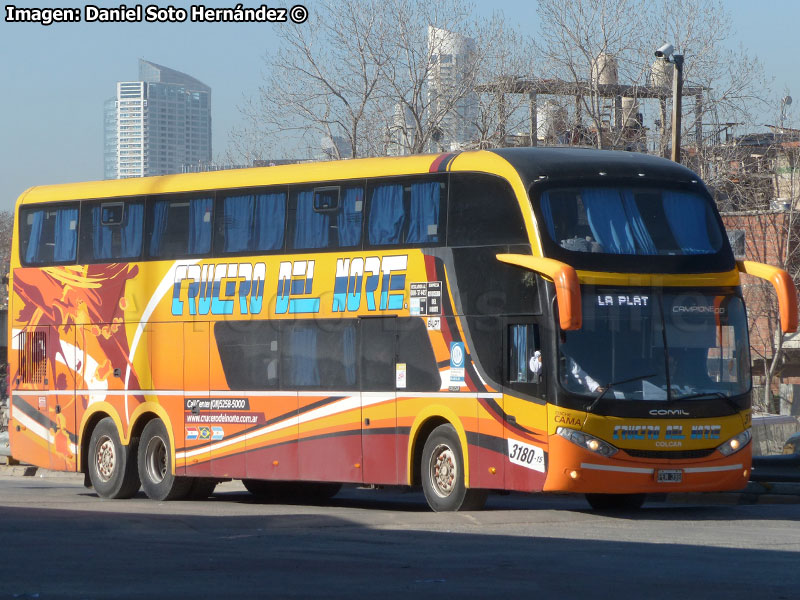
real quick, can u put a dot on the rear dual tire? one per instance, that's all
(112, 465)
(155, 465)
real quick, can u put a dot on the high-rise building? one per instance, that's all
(157, 125)
(451, 97)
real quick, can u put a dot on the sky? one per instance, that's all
(54, 79)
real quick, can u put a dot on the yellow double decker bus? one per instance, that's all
(518, 319)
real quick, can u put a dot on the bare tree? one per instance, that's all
(430, 63)
(504, 108)
(770, 219)
(372, 78)
(586, 48)
(6, 231)
(322, 85)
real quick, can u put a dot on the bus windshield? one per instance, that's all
(666, 346)
(631, 221)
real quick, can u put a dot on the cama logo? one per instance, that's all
(669, 412)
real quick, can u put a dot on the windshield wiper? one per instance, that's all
(612, 384)
(725, 397)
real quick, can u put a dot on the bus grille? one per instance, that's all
(670, 454)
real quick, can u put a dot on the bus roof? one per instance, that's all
(532, 164)
(535, 164)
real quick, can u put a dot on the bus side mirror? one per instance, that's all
(565, 278)
(784, 287)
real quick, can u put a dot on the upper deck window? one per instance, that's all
(251, 222)
(49, 235)
(326, 217)
(631, 221)
(407, 212)
(180, 227)
(111, 230)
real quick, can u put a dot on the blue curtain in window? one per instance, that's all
(638, 228)
(200, 225)
(547, 213)
(101, 236)
(160, 209)
(424, 217)
(304, 366)
(687, 215)
(349, 355)
(348, 221)
(311, 227)
(66, 234)
(35, 239)
(386, 215)
(269, 221)
(520, 342)
(131, 233)
(237, 219)
(608, 221)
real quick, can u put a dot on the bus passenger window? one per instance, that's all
(407, 213)
(525, 363)
(423, 225)
(387, 216)
(111, 231)
(49, 236)
(180, 227)
(251, 222)
(250, 353)
(327, 217)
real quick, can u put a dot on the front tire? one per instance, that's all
(112, 465)
(616, 502)
(155, 465)
(442, 471)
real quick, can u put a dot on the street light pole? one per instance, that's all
(677, 98)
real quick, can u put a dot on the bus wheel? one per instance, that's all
(155, 465)
(442, 472)
(112, 466)
(616, 501)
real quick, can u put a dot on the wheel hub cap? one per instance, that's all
(105, 458)
(443, 470)
(156, 460)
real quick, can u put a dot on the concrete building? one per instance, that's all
(157, 125)
(452, 59)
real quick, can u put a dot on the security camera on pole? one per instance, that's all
(667, 53)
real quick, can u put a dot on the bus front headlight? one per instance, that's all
(586, 441)
(736, 443)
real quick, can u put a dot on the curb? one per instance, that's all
(31, 471)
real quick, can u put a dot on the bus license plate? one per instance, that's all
(669, 476)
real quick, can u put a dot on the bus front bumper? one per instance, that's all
(573, 469)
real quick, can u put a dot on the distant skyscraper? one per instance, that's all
(452, 57)
(402, 132)
(157, 125)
